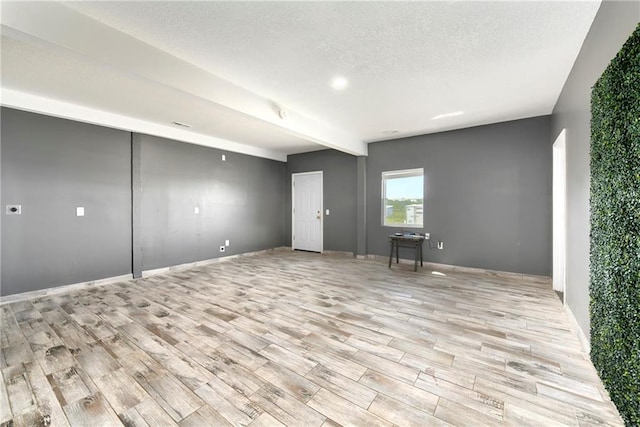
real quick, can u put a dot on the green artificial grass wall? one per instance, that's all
(615, 229)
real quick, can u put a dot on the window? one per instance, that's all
(402, 198)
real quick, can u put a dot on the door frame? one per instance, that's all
(559, 208)
(293, 205)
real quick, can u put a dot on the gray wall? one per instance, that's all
(339, 188)
(51, 166)
(240, 199)
(612, 26)
(487, 194)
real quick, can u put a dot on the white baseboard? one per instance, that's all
(582, 337)
(147, 273)
(505, 274)
(125, 277)
(180, 267)
(63, 289)
(188, 265)
(338, 253)
(455, 268)
(324, 252)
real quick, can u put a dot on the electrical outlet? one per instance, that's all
(426, 236)
(196, 210)
(14, 210)
(226, 243)
(222, 248)
(440, 245)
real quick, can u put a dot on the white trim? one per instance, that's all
(185, 266)
(346, 254)
(400, 173)
(559, 236)
(293, 204)
(584, 340)
(202, 263)
(124, 278)
(531, 278)
(64, 288)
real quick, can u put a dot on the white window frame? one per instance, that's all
(404, 173)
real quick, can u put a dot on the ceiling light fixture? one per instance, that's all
(389, 132)
(339, 83)
(180, 124)
(444, 116)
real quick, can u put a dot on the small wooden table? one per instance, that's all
(413, 241)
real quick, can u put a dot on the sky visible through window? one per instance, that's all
(404, 188)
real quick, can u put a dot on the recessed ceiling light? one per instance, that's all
(389, 132)
(339, 83)
(444, 116)
(182, 125)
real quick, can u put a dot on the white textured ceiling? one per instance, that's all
(228, 67)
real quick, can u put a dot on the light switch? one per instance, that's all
(327, 213)
(79, 211)
(224, 158)
(226, 243)
(196, 210)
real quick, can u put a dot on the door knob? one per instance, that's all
(318, 215)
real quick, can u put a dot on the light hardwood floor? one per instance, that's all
(298, 339)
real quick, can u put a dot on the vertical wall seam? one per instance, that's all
(131, 188)
(136, 196)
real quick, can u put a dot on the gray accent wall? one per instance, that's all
(339, 196)
(487, 194)
(50, 167)
(240, 199)
(613, 25)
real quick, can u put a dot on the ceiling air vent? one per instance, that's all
(182, 125)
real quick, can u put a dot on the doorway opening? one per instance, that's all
(560, 216)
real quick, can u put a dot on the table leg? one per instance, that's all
(421, 244)
(391, 254)
(397, 252)
(415, 259)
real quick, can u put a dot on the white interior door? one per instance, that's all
(560, 213)
(306, 211)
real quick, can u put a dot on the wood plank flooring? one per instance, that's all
(298, 339)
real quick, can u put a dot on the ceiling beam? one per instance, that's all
(64, 28)
(51, 107)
